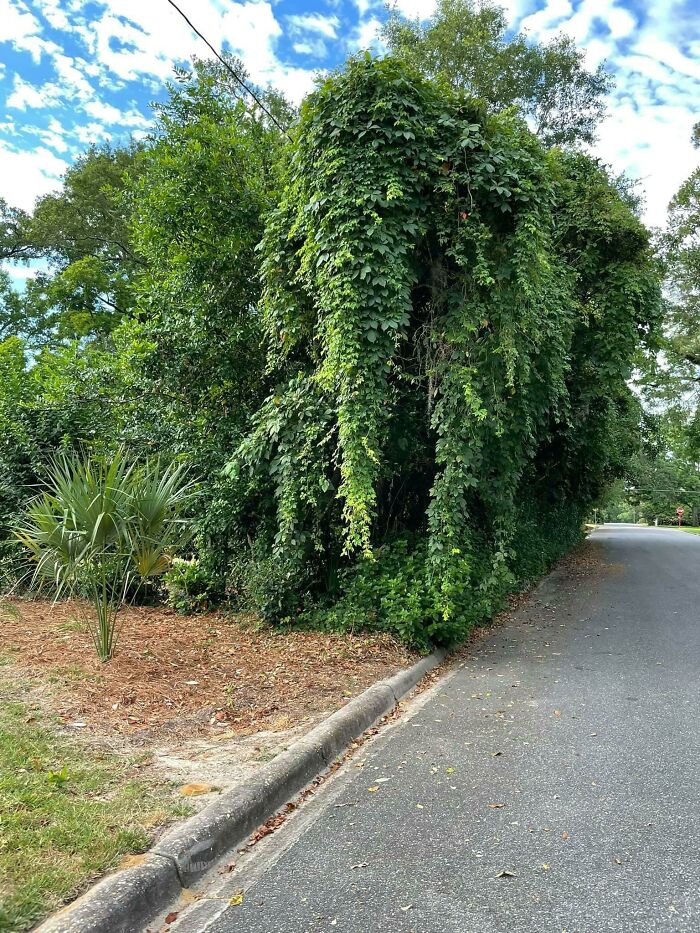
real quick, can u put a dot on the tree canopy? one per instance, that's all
(470, 47)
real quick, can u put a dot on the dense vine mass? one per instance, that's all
(452, 313)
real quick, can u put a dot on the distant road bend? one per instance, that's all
(549, 785)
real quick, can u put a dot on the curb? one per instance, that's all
(126, 901)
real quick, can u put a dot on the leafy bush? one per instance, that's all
(100, 528)
(187, 585)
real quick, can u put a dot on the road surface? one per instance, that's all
(549, 784)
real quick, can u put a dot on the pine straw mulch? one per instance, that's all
(204, 672)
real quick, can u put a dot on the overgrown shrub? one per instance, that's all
(452, 313)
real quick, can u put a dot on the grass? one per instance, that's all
(67, 814)
(693, 531)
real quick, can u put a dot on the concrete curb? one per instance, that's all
(126, 901)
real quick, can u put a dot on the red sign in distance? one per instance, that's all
(680, 512)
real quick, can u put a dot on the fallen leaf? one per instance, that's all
(419, 806)
(195, 789)
(496, 806)
(564, 835)
(496, 754)
(359, 865)
(557, 712)
(450, 770)
(506, 874)
(373, 790)
(545, 866)
(236, 900)
(407, 907)
(617, 860)
(171, 917)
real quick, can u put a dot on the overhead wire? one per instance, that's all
(232, 72)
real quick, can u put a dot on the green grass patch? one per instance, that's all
(693, 531)
(67, 814)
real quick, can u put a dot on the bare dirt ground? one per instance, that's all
(209, 696)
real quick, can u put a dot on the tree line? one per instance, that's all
(392, 346)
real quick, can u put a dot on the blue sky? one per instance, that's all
(74, 72)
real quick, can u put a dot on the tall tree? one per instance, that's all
(206, 181)
(674, 379)
(80, 234)
(469, 45)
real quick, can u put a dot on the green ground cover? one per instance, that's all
(67, 814)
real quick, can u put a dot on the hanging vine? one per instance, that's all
(441, 311)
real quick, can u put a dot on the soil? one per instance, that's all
(197, 673)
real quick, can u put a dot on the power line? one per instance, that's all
(231, 71)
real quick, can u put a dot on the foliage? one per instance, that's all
(661, 474)
(678, 378)
(451, 314)
(179, 371)
(206, 182)
(101, 528)
(80, 234)
(394, 351)
(13, 245)
(187, 585)
(470, 46)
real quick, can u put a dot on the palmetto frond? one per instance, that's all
(100, 525)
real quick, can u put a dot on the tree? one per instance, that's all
(13, 244)
(672, 379)
(469, 46)
(206, 181)
(81, 235)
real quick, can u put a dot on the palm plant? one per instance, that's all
(102, 527)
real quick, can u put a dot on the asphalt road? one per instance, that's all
(564, 752)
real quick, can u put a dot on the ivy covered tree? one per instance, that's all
(469, 45)
(451, 315)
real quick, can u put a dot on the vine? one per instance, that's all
(449, 329)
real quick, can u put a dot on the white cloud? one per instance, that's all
(92, 134)
(37, 47)
(26, 95)
(111, 115)
(29, 174)
(55, 16)
(252, 31)
(315, 47)
(18, 23)
(314, 22)
(367, 35)
(73, 80)
(657, 73)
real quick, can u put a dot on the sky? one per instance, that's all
(76, 72)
